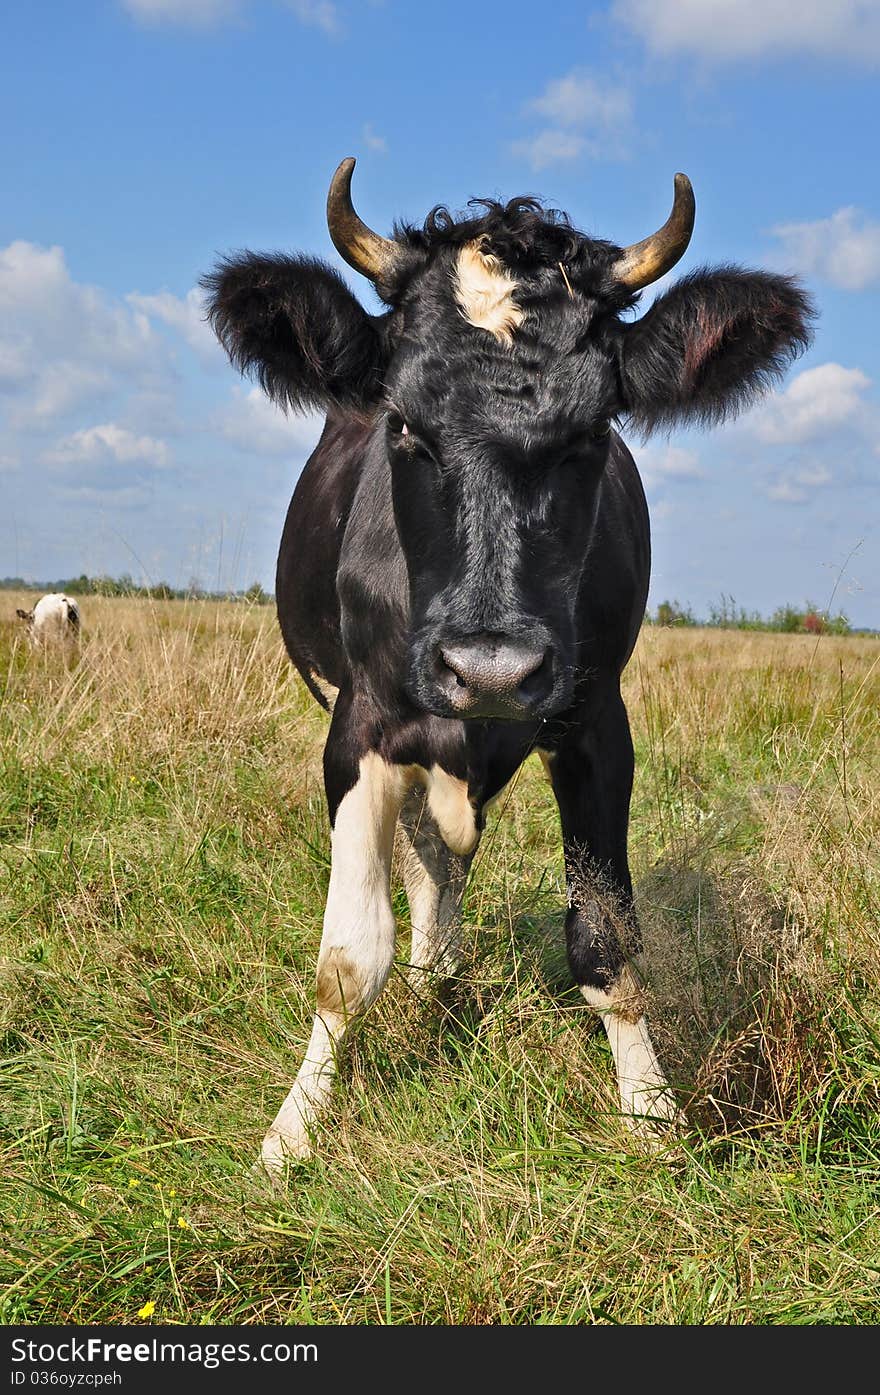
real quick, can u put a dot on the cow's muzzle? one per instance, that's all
(492, 675)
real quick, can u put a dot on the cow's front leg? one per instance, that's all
(592, 775)
(357, 945)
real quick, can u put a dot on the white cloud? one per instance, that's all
(794, 486)
(588, 115)
(61, 342)
(813, 475)
(256, 425)
(826, 422)
(726, 30)
(668, 463)
(548, 147)
(203, 14)
(109, 443)
(816, 402)
(186, 316)
(111, 429)
(783, 491)
(662, 509)
(581, 100)
(372, 140)
(199, 13)
(320, 14)
(58, 388)
(115, 493)
(843, 249)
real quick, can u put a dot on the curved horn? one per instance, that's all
(363, 249)
(648, 260)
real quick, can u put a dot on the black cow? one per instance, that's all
(466, 560)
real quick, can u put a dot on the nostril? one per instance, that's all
(538, 678)
(448, 670)
(447, 661)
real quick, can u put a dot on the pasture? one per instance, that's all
(163, 867)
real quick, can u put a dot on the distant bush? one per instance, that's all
(815, 624)
(671, 613)
(256, 595)
(810, 621)
(727, 615)
(786, 620)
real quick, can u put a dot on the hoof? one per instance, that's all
(277, 1154)
(655, 1120)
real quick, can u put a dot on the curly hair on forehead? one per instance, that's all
(522, 233)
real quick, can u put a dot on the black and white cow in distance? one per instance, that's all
(466, 560)
(54, 622)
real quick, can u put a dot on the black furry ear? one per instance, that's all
(293, 324)
(24, 614)
(711, 345)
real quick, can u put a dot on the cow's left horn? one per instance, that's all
(648, 260)
(363, 249)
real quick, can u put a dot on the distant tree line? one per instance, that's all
(125, 585)
(726, 615)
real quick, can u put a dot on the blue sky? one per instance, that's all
(142, 138)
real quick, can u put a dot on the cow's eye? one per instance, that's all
(396, 424)
(600, 430)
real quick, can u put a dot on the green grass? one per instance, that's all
(163, 863)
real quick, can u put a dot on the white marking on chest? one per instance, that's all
(484, 293)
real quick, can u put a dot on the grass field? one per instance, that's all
(163, 862)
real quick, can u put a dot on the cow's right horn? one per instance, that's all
(371, 255)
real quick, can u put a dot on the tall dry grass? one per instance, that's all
(762, 770)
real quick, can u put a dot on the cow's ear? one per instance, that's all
(711, 345)
(293, 324)
(23, 614)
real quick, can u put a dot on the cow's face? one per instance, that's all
(497, 429)
(493, 379)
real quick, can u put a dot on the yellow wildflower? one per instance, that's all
(147, 1310)
(184, 1225)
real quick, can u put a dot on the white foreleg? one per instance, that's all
(357, 947)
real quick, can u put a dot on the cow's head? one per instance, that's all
(493, 381)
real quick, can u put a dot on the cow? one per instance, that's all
(53, 623)
(465, 562)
